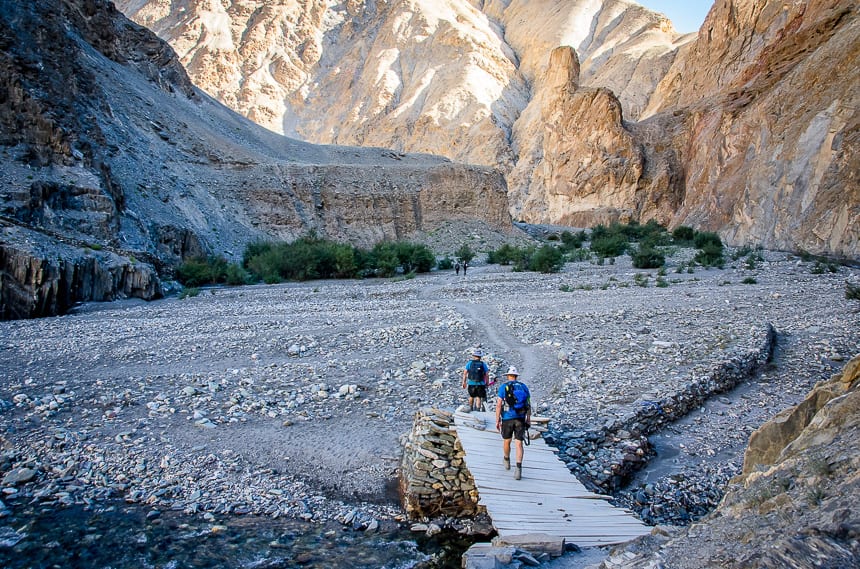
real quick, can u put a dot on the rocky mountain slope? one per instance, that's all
(114, 167)
(796, 503)
(748, 129)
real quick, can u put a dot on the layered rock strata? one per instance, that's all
(770, 96)
(433, 478)
(45, 278)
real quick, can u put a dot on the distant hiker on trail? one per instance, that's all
(475, 377)
(457, 268)
(465, 266)
(513, 417)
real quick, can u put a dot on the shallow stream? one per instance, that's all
(121, 536)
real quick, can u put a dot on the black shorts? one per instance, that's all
(515, 428)
(479, 391)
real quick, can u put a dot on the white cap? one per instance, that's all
(478, 352)
(512, 371)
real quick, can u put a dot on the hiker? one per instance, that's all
(513, 417)
(465, 266)
(457, 268)
(475, 376)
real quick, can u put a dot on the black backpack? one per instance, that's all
(476, 371)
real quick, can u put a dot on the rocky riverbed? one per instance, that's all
(290, 401)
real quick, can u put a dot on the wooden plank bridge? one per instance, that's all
(547, 500)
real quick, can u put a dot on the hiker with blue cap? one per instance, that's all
(476, 375)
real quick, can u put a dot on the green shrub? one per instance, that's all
(194, 272)
(573, 241)
(504, 255)
(523, 258)
(578, 255)
(683, 234)
(710, 255)
(189, 292)
(384, 260)
(749, 280)
(661, 282)
(465, 253)
(236, 275)
(200, 271)
(311, 257)
(547, 259)
(852, 292)
(610, 245)
(705, 238)
(646, 257)
(445, 264)
(414, 257)
(641, 279)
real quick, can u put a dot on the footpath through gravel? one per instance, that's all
(290, 400)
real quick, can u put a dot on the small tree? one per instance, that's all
(647, 257)
(547, 259)
(465, 253)
(684, 234)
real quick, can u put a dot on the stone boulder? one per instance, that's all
(786, 433)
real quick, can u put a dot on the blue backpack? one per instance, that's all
(517, 397)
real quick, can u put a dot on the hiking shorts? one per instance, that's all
(479, 391)
(514, 428)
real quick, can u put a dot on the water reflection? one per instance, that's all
(125, 537)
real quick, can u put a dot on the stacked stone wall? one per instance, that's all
(434, 480)
(606, 457)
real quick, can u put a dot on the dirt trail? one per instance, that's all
(537, 364)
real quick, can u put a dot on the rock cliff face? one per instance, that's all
(770, 96)
(118, 168)
(741, 129)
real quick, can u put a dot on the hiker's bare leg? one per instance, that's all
(506, 447)
(519, 449)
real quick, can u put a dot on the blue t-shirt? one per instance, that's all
(507, 411)
(484, 370)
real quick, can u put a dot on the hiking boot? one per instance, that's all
(518, 472)
(506, 460)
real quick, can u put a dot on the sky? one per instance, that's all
(686, 15)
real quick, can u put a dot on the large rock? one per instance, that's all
(578, 179)
(787, 433)
(795, 505)
(40, 277)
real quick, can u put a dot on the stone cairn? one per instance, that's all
(434, 480)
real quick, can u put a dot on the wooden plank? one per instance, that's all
(548, 499)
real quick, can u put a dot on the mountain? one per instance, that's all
(115, 168)
(747, 128)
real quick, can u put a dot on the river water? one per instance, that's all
(122, 536)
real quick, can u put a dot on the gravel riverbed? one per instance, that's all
(290, 400)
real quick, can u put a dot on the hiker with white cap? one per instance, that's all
(513, 417)
(476, 375)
